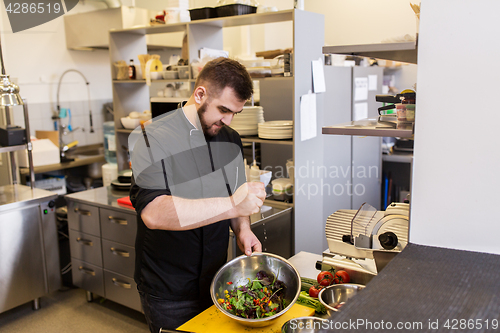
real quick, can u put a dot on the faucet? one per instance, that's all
(61, 127)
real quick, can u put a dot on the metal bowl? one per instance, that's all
(335, 294)
(240, 269)
(303, 325)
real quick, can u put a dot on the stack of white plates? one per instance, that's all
(277, 129)
(246, 122)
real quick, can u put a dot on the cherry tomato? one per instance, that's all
(325, 278)
(314, 291)
(341, 277)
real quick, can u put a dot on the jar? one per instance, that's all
(410, 112)
(401, 112)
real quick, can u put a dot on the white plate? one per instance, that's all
(278, 123)
(277, 129)
(246, 132)
(275, 137)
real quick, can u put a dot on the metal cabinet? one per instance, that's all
(29, 260)
(102, 252)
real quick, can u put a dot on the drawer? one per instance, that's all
(118, 226)
(118, 257)
(84, 218)
(122, 289)
(85, 247)
(88, 277)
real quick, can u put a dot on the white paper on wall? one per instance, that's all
(360, 111)
(308, 126)
(360, 89)
(372, 82)
(318, 74)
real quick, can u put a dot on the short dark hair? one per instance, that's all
(223, 72)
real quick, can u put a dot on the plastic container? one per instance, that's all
(235, 9)
(183, 71)
(109, 142)
(170, 75)
(282, 189)
(290, 170)
(109, 173)
(401, 112)
(202, 13)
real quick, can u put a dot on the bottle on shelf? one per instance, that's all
(255, 172)
(131, 70)
(109, 142)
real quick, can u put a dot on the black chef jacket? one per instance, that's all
(180, 265)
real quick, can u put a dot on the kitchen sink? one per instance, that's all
(86, 151)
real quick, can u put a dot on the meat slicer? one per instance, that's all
(362, 242)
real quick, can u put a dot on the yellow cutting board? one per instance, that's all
(213, 321)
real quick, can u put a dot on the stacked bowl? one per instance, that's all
(246, 122)
(277, 129)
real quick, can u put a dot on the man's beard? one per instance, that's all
(208, 130)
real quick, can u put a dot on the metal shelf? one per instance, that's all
(129, 81)
(371, 127)
(398, 158)
(167, 99)
(11, 148)
(256, 139)
(124, 130)
(65, 165)
(223, 22)
(404, 52)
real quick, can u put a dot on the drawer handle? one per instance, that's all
(120, 252)
(84, 241)
(86, 271)
(121, 284)
(82, 212)
(117, 220)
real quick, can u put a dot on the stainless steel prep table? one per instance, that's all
(102, 240)
(29, 264)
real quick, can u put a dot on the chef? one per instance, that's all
(188, 188)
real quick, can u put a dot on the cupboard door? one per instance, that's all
(118, 257)
(87, 276)
(118, 226)
(85, 247)
(122, 289)
(84, 218)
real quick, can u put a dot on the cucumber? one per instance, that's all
(306, 284)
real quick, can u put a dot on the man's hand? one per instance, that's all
(248, 198)
(246, 239)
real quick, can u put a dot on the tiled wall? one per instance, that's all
(40, 119)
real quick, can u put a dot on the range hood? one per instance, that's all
(90, 30)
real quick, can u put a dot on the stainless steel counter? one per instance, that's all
(103, 197)
(17, 196)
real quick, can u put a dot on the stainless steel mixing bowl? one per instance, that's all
(304, 325)
(242, 268)
(335, 294)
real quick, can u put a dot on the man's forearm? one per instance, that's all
(173, 213)
(239, 223)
